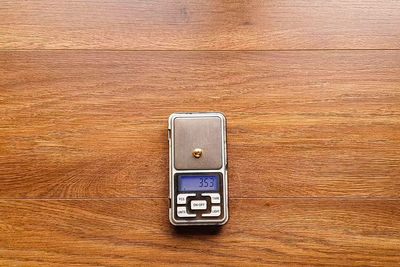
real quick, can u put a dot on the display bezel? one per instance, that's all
(182, 177)
(220, 186)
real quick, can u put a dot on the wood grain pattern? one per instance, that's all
(300, 124)
(261, 232)
(86, 88)
(205, 25)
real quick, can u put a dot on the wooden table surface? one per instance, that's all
(311, 91)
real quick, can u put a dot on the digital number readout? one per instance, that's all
(198, 182)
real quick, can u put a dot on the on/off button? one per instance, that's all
(198, 205)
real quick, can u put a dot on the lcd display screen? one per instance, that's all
(198, 182)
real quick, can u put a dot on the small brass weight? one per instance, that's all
(197, 152)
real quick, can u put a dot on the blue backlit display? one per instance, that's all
(198, 182)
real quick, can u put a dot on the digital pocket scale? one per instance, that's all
(198, 178)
